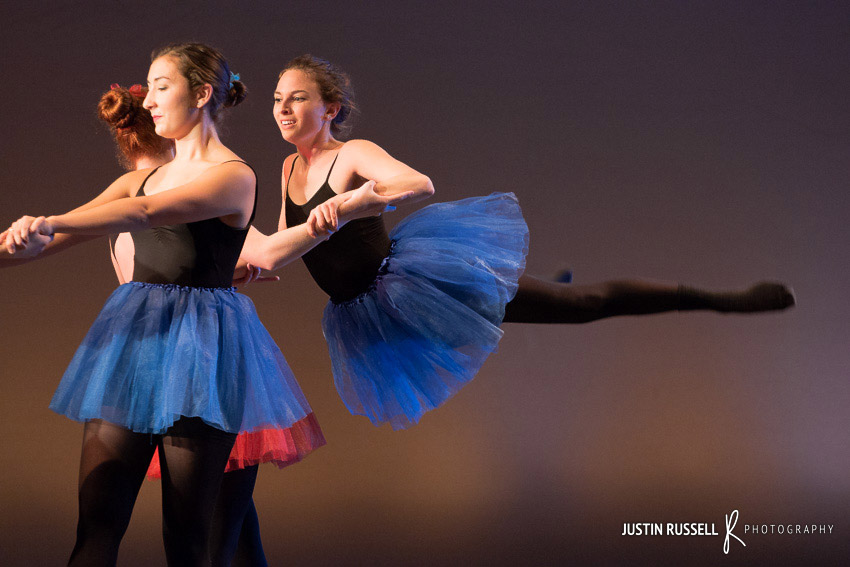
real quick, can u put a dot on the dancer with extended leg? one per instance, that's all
(413, 314)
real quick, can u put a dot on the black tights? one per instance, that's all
(235, 537)
(541, 301)
(112, 468)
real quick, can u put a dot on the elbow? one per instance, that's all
(259, 251)
(266, 262)
(427, 187)
(258, 257)
(143, 216)
(264, 257)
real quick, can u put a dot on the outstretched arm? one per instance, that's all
(224, 191)
(39, 247)
(276, 250)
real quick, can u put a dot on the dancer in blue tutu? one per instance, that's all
(413, 315)
(176, 360)
(235, 535)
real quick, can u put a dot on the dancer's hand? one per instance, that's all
(358, 203)
(324, 219)
(365, 201)
(29, 248)
(27, 236)
(248, 274)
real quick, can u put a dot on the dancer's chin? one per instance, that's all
(288, 137)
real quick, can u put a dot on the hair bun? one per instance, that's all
(118, 108)
(237, 93)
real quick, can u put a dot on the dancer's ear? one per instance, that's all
(203, 94)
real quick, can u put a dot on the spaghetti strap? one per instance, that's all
(291, 169)
(148, 176)
(330, 170)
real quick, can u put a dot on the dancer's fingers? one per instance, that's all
(16, 233)
(36, 225)
(326, 217)
(328, 214)
(311, 225)
(9, 243)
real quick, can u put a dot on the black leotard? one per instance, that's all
(346, 264)
(197, 254)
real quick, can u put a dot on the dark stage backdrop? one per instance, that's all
(699, 142)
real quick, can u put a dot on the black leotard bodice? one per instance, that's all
(196, 254)
(346, 264)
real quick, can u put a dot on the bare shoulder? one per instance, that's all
(287, 165)
(365, 159)
(361, 148)
(286, 171)
(370, 161)
(137, 174)
(129, 183)
(234, 171)
(237, 165)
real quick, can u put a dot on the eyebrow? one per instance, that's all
(158, 78)
(293, 92)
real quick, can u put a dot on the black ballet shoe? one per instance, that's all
(763, 296)
(767, 296)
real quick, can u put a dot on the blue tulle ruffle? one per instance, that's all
(158, 352)
(432, 316)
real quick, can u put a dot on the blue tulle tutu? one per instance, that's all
(432, 315)
(158, 352)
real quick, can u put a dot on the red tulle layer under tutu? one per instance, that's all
(279, 446)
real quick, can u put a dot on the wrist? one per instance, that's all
(50, 225)
(320, 236)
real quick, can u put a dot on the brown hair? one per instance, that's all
(334, 86)
(131, 124)
(202, 65)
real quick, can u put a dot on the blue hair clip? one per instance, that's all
(234, 77)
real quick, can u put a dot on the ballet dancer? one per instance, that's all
(414, 313)
(176, 361)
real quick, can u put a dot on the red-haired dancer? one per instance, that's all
(175, 355)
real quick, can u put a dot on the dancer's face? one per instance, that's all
(174, 107)
(299, 110)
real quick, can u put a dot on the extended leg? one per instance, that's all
(112, 468)
(193, 455)
(540, 301)
(235, 536)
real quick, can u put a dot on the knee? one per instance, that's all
(103, 516)
(591, 301)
